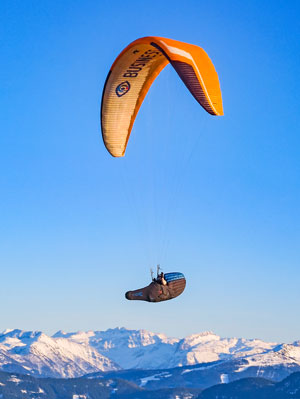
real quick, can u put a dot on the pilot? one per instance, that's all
(161, 279)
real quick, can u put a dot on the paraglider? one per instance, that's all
(134, 71)
(126, 86)
(162, 288)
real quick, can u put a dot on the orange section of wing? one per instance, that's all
(152, 76)
(129, 80)
(203, 67)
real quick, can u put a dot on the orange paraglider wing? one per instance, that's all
(132, 74)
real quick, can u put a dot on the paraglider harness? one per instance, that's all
(161, 288)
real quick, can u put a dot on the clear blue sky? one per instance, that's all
(79, 228)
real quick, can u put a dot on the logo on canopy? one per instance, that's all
(122, 88)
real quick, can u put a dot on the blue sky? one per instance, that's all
(79, 228)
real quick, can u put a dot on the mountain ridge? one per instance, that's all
(74, 354)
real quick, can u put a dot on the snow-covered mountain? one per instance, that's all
(146, 350)
(79, 353)
(38, 354)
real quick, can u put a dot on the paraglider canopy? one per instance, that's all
(132, 74)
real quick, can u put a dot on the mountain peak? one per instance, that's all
(7, 331)
(59, 333)
(12, 332)
(74, 354)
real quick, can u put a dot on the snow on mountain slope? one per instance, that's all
(130, 348)
(42, 355)
(208, 347)
(286, 355)
(75, 354)
(147, 350)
